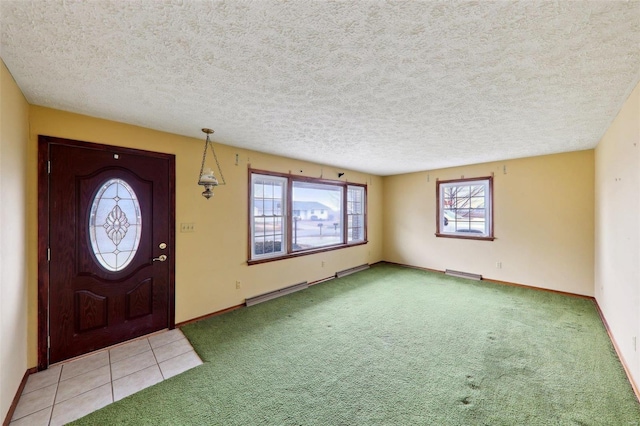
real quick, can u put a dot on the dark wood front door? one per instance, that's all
(110, 245)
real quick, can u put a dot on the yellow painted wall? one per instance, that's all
(211, 259)
(14, 134)
(543, 222)
(617, 230)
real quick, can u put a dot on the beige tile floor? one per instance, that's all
(68, 391)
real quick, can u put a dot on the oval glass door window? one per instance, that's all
(115, 225)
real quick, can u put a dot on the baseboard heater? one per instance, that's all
(460, 274)
(353, 270)
(276, 293)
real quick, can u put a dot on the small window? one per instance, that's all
(465, 208)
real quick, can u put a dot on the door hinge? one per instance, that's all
(48, 254)
(48, 342)
(49, 166)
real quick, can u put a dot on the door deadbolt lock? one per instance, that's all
(160, 258)
(162, 246)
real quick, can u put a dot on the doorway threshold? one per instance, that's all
(74, 388)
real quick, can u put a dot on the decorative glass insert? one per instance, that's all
(115, 225)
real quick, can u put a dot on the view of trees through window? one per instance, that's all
(465, 207)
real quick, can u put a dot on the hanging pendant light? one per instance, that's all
(207, 178)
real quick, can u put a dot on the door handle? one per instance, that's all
(160, 258)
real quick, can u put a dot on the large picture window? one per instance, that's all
(294, 215)
(317, 215)
(465, 208)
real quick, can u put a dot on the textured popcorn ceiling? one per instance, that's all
(379, 86)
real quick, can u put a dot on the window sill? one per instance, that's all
(303, 253)
(464, 237)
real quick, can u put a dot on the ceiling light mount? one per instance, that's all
(207, 178)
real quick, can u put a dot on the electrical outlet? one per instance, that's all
(322, 263)
(634, 340)
(238, 285)
(499, 265)
(187, 227)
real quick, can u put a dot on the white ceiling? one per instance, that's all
(378, 86)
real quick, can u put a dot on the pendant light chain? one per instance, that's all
(204, 157)
(217, 162)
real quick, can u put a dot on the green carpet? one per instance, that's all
(395, 346)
